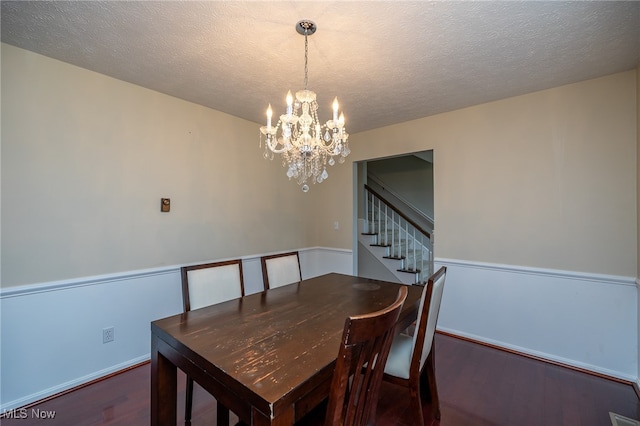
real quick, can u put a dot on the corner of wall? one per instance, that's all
(638, 220)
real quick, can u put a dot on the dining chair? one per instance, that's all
(204, 285)
(412, 358)
(281, 269)
(357, 376)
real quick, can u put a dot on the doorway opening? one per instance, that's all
(394, 232)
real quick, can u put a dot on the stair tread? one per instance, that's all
(380, 245)
(394, 257)
(410, 271)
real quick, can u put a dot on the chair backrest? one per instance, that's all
(211, 283)
(281, 269)
(359, 369)
(427, 318)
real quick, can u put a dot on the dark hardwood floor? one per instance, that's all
(478, 385)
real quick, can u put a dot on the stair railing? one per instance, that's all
(427, 221)
(402, 237)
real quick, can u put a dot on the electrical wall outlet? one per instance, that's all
(108, 335)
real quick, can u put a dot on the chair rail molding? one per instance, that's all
(543, 272)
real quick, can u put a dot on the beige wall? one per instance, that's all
(544, 180)
(86, 159)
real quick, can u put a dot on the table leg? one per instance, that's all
(284, 419)
(164, 388)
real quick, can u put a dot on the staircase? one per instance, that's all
(401, 244)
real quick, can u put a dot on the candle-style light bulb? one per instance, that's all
(269, 114)
(335, 109)
(289, 103)
(341, 120)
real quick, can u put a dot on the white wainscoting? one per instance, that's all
(584, 320)
(52, 332)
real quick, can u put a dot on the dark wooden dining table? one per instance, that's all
(269, 356)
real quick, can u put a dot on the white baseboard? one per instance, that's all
(21, 402)
(540, 355)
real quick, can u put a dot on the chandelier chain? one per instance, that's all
(306, 56)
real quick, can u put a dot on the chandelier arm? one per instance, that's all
(278, 151)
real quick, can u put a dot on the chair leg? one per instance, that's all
(415, 401)
(424, 385)
(430, 367)
(223, 415)
(189, 400)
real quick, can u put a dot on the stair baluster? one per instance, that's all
(366, 214)
(373, 215)
(406, 245)
(379, 223)
(415, 259)
(386, 226)
(393, 235)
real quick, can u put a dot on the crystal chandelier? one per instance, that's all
(305, 145)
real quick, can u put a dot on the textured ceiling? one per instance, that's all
(387, 62)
